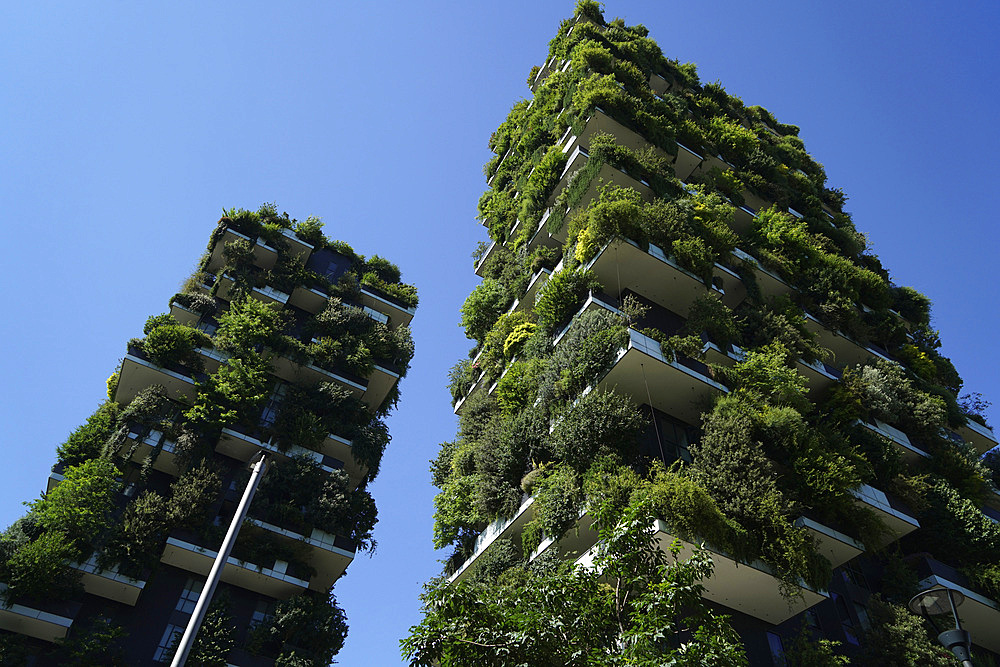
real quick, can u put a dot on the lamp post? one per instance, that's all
(258, 464)
(938, 601)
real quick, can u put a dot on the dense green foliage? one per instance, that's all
(305, 631)
(625, 610)
(793, 300)
(145, 468)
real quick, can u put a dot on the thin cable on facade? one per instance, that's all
(652, 413)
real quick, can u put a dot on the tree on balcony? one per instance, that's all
(636, 606)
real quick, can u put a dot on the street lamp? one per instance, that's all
(258, 464)
(938, 601)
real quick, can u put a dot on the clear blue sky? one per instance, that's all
(127, 127)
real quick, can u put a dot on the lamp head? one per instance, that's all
(934, 601)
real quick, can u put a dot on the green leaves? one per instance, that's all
(170, 344)
(247, 325)
(628, 609)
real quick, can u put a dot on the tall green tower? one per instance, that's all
(282, 342)
(676, 310)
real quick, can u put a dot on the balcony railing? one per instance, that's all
(138, 372)
(273, 581)
(676, 385)
(750, 588)
(328, 554)
(508, 528)
(108, 583)
(45, 620)
(623, 263)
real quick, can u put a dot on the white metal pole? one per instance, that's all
(208, 590)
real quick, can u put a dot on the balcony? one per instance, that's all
(893, 514)
(908, 451)
(265, 294)
(137, 373)
(145, 445)
(184, 315)
(578, 159)
(551, 65)
(685, 162)
(600, 121)
(846, 351)
(677, 386)
(329, 554)
(819, 375)
(311, 374)
(743, 218)
(264, 256)
(542, 235)
(835, 546)
(654, 274)
(109, 583)
(486, 256)
(296, 246)
(769, 283)
(750, 588)
(980, 615)
(980, 437)
(238, 443)
(659, 85)
(273, 581)
(527, 301)
(398, 314)
(508, 528)
(308, 299)
(380, 382)
(48, 621)
(476, 385)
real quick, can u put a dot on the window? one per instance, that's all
(264, 612)
(863, 619)
(846, 623)
(270, 412)
(189, 596)
(852, 574)
(777, 650)
(165, 649)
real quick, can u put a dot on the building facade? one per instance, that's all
(672, 289)
(282, 342)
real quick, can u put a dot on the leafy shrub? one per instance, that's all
(38, 569)
(600, 423)
(898, 638)
(710, 316)
(200, 303)
(170, 344)
(79, 506)
(87, 441)
(482, 307)
(558, 501)
(233, 394)
(461, 376)
(247, 325)
(383, 268)
(306, 630)
(517, 388)
(561, 296)
(310, 230)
